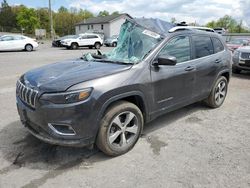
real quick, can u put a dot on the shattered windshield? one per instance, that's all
(134, 43)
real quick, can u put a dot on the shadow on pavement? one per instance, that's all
(23, 150)
(171, 117)
(243, 75)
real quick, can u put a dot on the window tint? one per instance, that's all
(7, 38)
(18, 38)
(178, 47)
(91, 36)
(203, 46)
(218, 46)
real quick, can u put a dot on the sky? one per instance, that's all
(191, 11)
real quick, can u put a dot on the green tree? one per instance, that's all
(173, 20)
(115, 13)
(27, 19)
(7, 17)
(62, 9)
(103, 13)
(43, 17)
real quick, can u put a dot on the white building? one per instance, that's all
(106, 25)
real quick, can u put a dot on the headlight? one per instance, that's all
(236, 54)
(67, 97)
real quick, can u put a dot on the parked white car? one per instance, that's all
(83, 40)
(17, 42)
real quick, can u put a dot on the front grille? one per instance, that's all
(27, 95)
(245, 55)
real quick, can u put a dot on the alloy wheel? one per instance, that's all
(220, 92)
(123, 130)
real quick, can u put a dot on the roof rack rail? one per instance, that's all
(181, 28)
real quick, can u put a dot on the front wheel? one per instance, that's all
(97, 45)
(218, 93)
(74, 46)
(120, 128)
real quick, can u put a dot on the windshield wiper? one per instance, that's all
(112, 61)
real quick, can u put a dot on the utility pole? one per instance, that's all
(51, 21)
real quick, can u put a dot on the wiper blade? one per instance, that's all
(112, 61)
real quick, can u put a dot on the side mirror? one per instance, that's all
(166, 60)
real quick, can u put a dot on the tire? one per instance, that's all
(68, 47)
(74, 46)
(114, 44)
(97, 45)
(115, 136)
(236, 71)
(218, 93)
(28, 47)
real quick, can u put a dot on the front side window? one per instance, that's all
(178, 47)
(218, 46)
(203, 46)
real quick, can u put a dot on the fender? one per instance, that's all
(121, 96)
(219, 74)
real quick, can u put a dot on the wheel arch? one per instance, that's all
(135, 97)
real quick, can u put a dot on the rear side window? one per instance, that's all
(203, 46)
(178, 47)
(91, 36)
(218, 46)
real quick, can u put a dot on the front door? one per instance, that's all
(174, 84)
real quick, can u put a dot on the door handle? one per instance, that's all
(217, 61)
(189, 68)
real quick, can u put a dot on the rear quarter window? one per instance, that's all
(218, 46)
(202, 45)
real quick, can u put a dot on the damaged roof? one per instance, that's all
(102, 19)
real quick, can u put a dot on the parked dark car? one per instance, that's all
(241, 59)
(57, 42)
(107, 98)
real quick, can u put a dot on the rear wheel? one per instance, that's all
(120, 128)
(28, 47)
(114, 44)
(97, 45)
(218, 93)
(74, 46)
(236, 71)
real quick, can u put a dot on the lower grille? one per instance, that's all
(26, 94)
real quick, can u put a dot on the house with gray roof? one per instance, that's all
(106, 25)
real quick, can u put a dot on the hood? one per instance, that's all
(60, 76)
(244, 49)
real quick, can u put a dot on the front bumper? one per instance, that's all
(78, 116)
(241, 64)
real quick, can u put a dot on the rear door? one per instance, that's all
(173, 84)
(207, 63)
(18, 42)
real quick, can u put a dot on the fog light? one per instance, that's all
(62, 129)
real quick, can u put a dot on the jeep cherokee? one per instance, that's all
(106, 99)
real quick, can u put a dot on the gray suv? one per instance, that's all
(106, 99)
